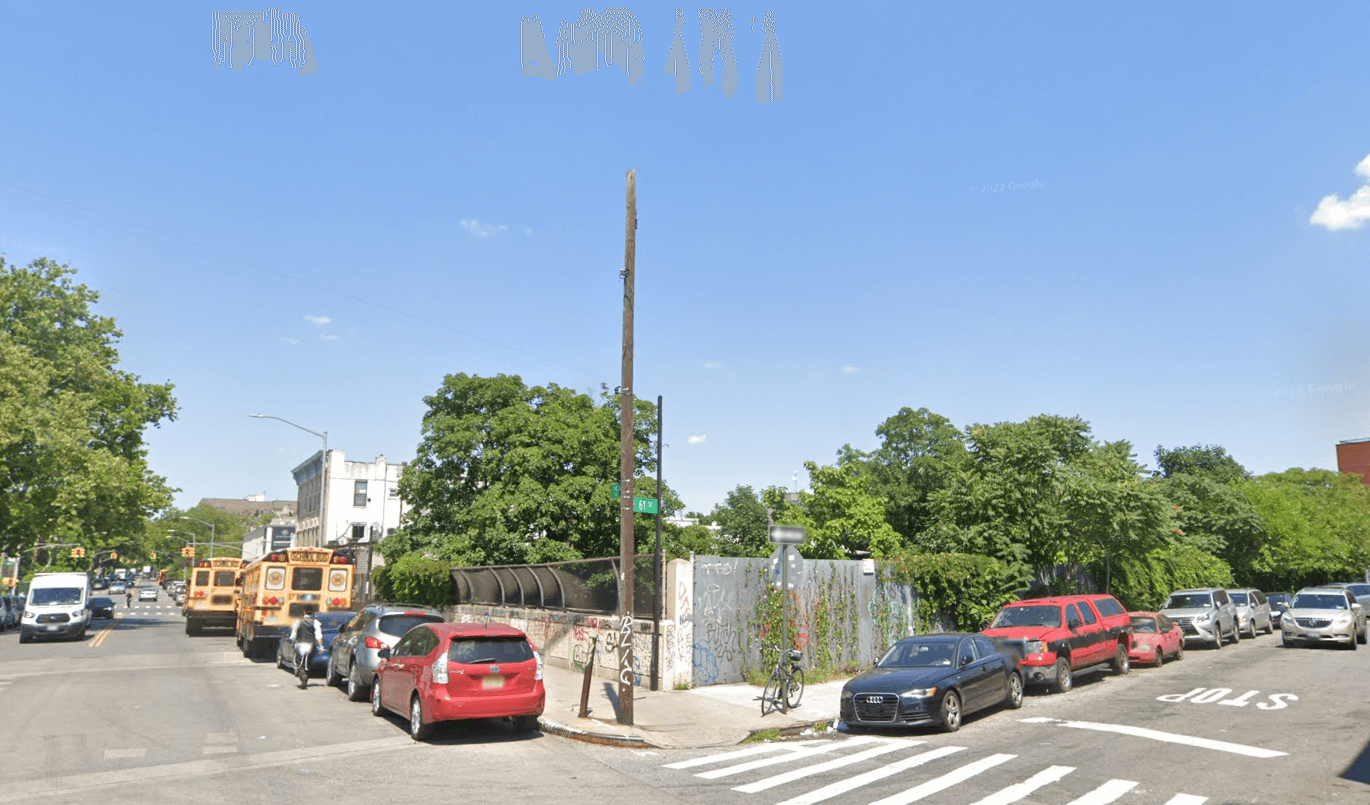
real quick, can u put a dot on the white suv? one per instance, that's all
(1205, 614)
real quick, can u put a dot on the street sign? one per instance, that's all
(787, 568)
(788, 534)
(644, 505)
(614, 492)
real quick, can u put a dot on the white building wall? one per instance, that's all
(363, 500)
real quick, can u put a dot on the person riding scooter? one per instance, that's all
(306, 634)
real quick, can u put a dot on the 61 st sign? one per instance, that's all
(640, 505)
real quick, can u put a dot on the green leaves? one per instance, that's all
(508, 474)
(72, 460)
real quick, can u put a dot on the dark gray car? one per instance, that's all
(1253, 611)
(353, 657)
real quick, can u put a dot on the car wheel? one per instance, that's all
(1236, 632)
(280, 661)
(1251, 634)
(417, 729)
(1063, 681)
(334, 678)
(1284, 641)
(1159, 659)
(1270, 626)
(1351, 644)
(1015, 691)
(1362, 637)
(24, 636)
(949, 719)
(356, 691)
(1120, 662)
(525, 724)
(377, 709)
(1218, 630)
(1179, 651)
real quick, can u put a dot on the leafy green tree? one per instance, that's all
(742, 516)
(1209, 461)
(511, 474)
(73, 465)
(1317, 528)
(841, 517)
(919, 451)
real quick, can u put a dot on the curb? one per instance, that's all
(603, 739)
(795, 730)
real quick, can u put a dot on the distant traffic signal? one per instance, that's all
(187, 551)
(114, 557)
(154, 554)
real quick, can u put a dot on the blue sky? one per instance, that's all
(992, 210)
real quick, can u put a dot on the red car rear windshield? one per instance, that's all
(1009, 617)
(481, 650)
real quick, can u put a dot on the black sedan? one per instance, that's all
(330, 623)
(934, 679)
(101, 607)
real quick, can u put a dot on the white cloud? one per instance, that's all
(327, 337)
(528, 230)
(318, 321)
(850, 370)
(480, 230)
(1352, 213)
(697, 439)
(291, 341)
(713, 364)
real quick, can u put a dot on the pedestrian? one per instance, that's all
(128, 599)
(305, 634)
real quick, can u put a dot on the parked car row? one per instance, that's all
(938, 679)
(406, 659)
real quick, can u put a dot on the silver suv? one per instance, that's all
(1206, 614)
(1253, 612)
(352, 658)
(1323, 615)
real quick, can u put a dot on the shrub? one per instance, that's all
(416, 580)
(966, 588)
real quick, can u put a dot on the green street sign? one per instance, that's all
(644, 505)
(614, 492)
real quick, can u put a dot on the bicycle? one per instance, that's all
(787, 677)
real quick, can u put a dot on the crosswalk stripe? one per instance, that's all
(819, 768)
(945, 781)
(760, 749)
(1018, 791)
(1187, 799)
(852, 783)
(1106, 793)
(800, 754)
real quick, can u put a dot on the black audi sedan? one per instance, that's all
(934, 679)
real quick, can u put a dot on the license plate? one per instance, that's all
(53, 628)
(492, 682)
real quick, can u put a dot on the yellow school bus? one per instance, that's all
(212, 594)
(278, 588)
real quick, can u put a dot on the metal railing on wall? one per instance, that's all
(582, 585)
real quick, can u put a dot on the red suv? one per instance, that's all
(1064, 635)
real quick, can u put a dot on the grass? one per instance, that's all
(762, 736)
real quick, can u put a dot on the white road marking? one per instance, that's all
(800, 754)
(1187, 799)
(118, 754)
(759, 749)
(196, 769)
(852, 783)
(1106, 793)
(819, 768)
(946, 781)
(1164, 737)
(1017, 791)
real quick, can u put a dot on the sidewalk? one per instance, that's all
(716, 715)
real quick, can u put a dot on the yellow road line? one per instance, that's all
(102, 634)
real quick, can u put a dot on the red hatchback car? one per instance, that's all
(1154, 637)
(450, 671)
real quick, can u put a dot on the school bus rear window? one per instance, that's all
(307, 578)
(224, 578)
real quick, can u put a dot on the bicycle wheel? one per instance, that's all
(770, 695)
(794, 691)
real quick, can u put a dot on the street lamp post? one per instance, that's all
(211, 532)
(323, 480)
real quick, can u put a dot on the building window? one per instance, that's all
(359, 493)
(358, 531)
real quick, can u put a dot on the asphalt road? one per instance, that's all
(139, 712)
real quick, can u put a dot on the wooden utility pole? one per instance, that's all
(626, 546)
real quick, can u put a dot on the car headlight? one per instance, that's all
(1342, 619)
(28, 616)
(918, 693)
(847, 695)
(1204, 618)
(1034, 647)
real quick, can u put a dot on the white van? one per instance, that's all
(58, 605)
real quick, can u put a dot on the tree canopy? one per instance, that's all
(73, 465)
(511, 474)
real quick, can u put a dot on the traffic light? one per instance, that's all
(154, 554)
(75, 553)
(113, 557)
(187, 551)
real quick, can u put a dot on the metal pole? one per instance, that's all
(656, 562)
(784, 615)
(626, 546)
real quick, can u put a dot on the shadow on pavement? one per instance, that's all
(1359, 771)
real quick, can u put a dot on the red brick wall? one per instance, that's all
(1355, 457)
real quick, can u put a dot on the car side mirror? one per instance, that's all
(965, 661)
(383, 654)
